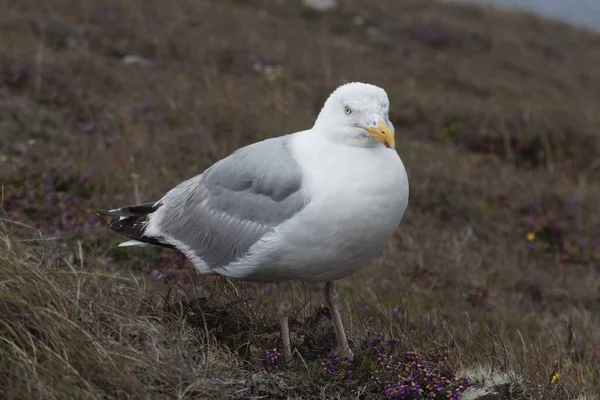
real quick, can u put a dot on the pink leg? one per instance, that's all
(331, 297)
(283, 308)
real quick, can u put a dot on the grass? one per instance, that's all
(490, 282)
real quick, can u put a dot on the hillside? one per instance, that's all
(104, 103)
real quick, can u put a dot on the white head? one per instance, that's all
(357, 114)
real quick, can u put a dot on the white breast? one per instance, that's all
(357, 199)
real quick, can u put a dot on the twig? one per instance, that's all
(35, 240)
(83, 273)
(136, 188)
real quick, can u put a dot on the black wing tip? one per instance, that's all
(130, 220)
(130, 211)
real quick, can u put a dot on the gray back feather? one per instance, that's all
(222, 212)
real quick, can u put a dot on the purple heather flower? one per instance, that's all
(529, 247)
(86, 177)
(19, 73)
(269, 289)
(89, 127)
(489, 308)
(156, 274)
(160, 118)
(271, 357)
(329, 366)
(72, 121)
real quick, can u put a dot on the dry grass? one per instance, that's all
(66, 333)
(495, 264)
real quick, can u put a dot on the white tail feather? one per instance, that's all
(134, 243)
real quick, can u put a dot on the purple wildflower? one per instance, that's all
(269, 289)
(395, 374)
(271, 357)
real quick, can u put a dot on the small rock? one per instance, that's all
(133, 59)
(320, 5)
(489, 384)
(359, 20)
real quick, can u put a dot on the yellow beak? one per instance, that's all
(382, 133)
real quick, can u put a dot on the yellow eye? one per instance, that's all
(347, 110)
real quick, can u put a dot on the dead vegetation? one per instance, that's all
(495, 264)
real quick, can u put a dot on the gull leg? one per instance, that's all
(283, 309)
(331, 297)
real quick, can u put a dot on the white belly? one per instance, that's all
(357, 200)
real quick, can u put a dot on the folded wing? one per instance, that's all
(215, 217)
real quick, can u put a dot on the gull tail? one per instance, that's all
(130, 221)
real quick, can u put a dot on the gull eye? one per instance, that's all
(347, 110)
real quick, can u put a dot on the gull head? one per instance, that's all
(356, 114)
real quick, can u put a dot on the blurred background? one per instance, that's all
(577, 12)
(104, 103)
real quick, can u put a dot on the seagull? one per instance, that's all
(311, 206)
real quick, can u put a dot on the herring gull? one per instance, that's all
(311, 206)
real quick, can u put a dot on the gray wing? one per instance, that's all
(219, 214)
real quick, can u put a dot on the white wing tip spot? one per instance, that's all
(130, 243)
